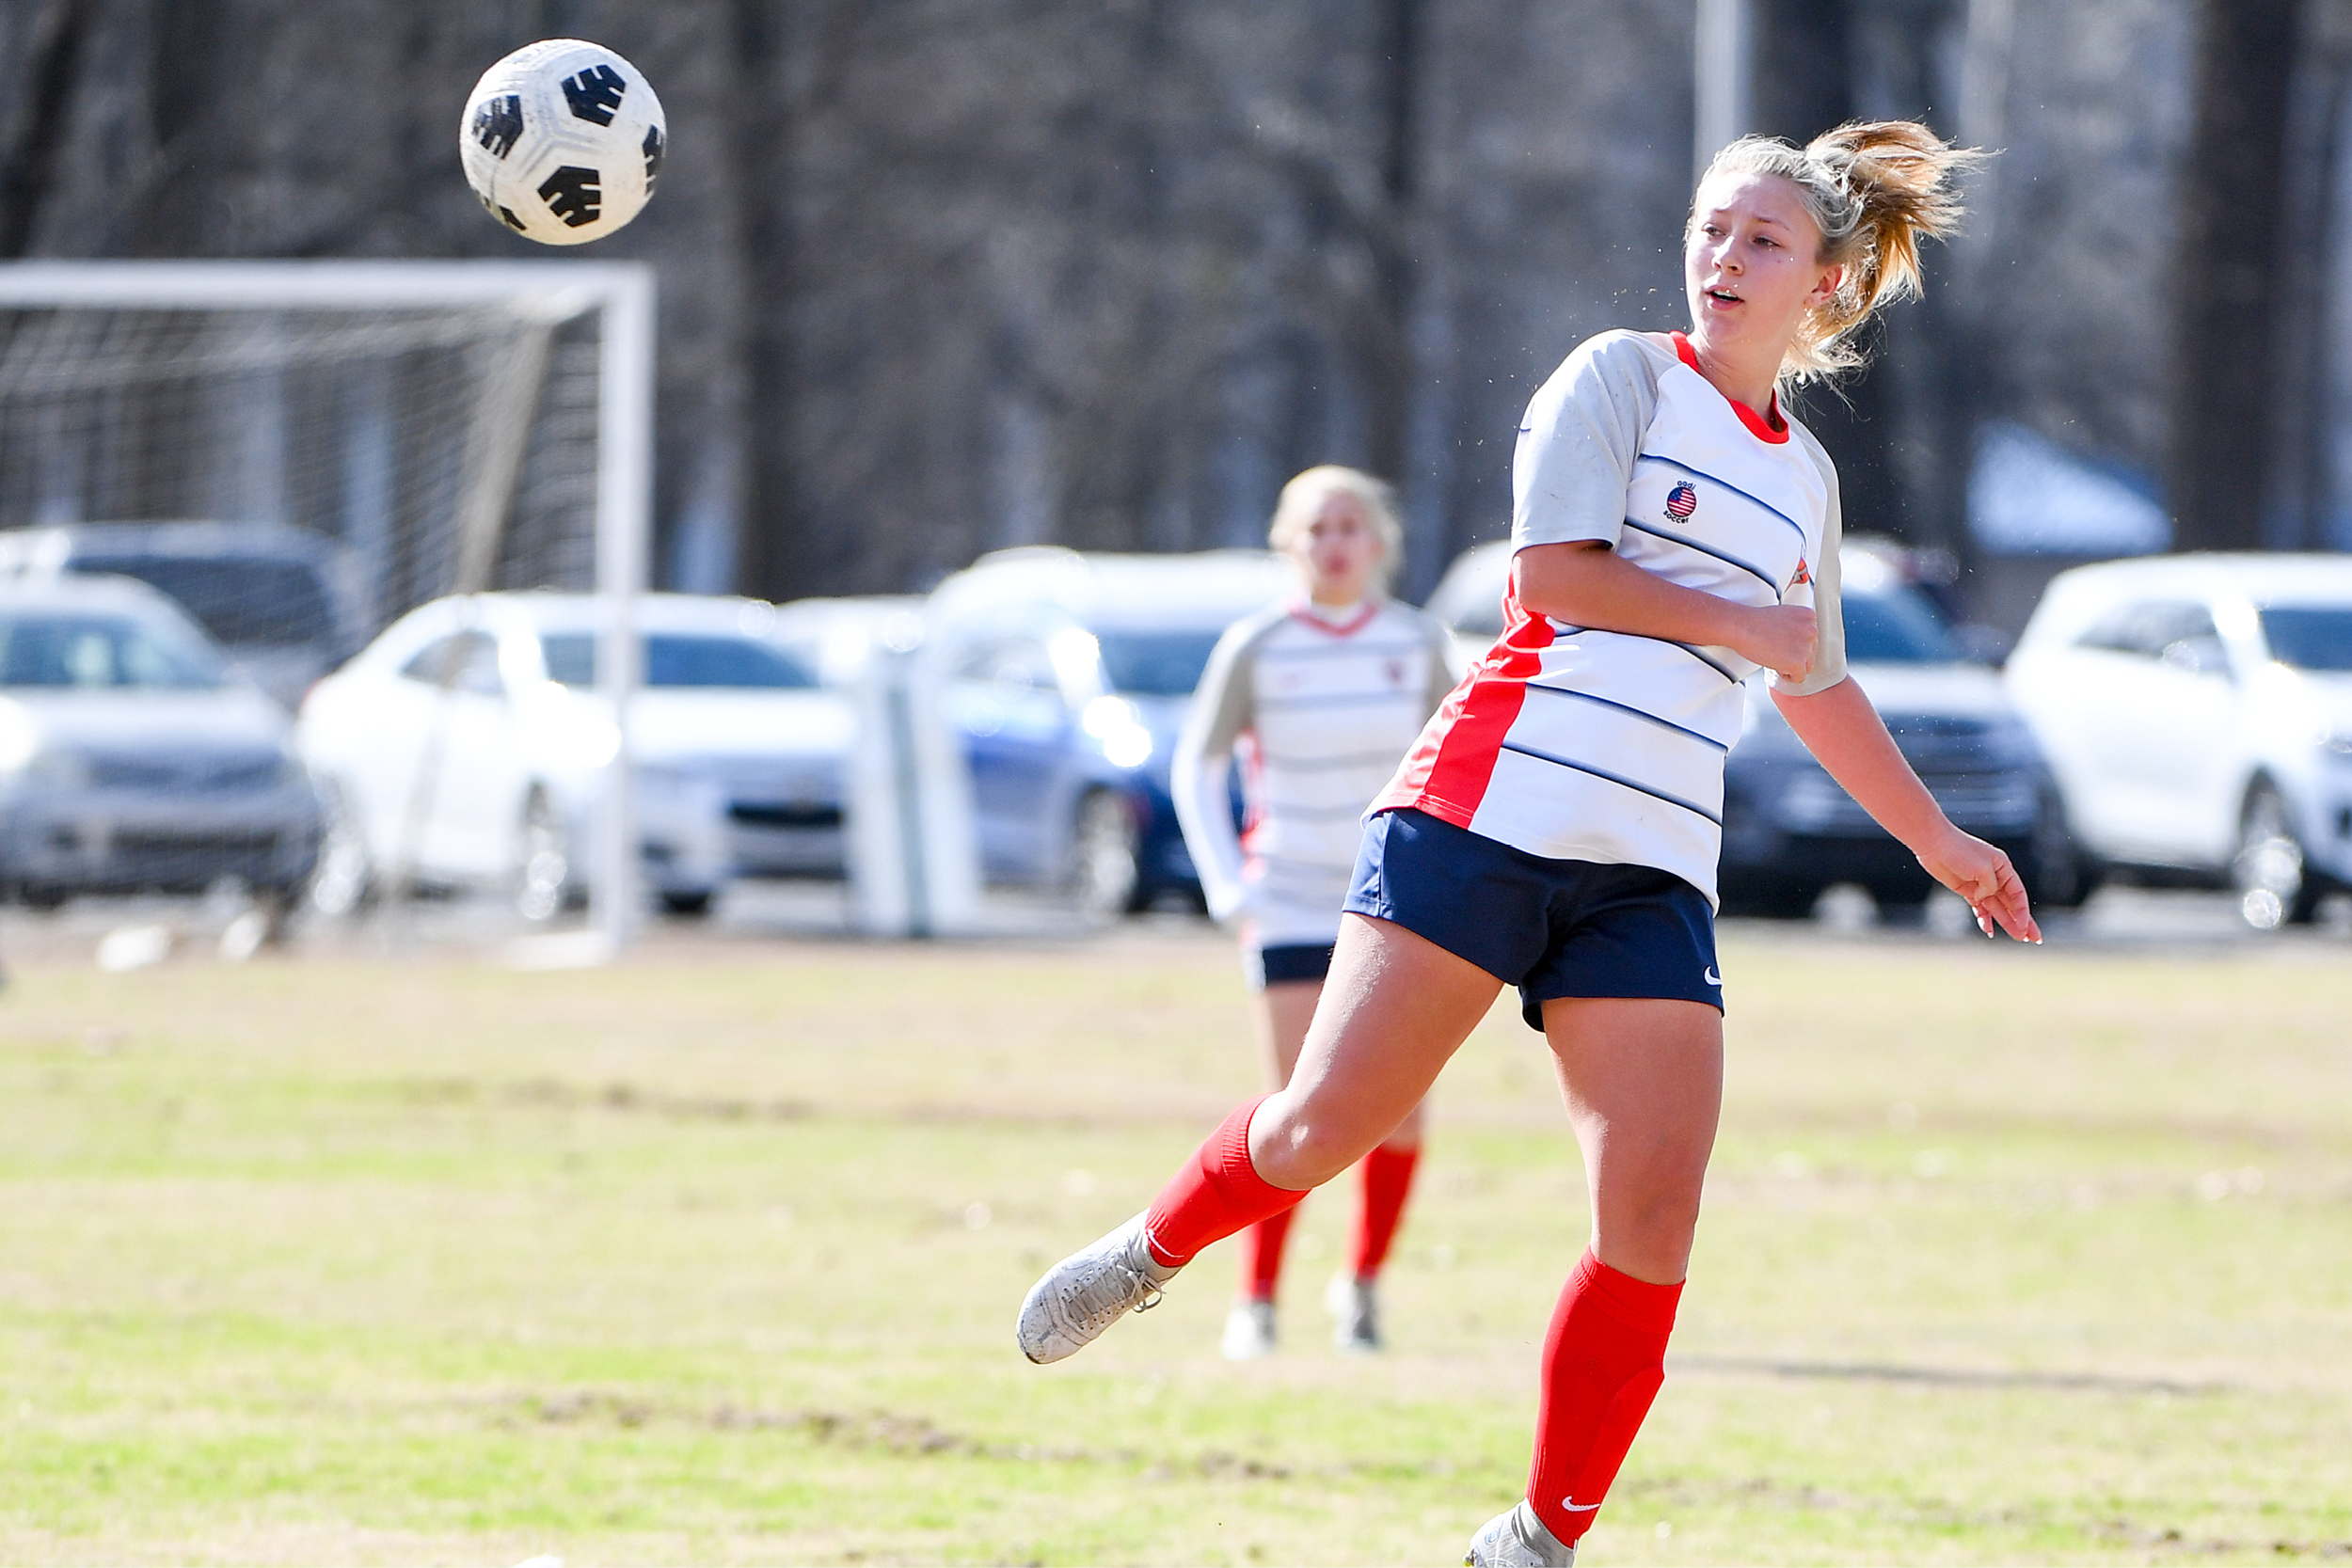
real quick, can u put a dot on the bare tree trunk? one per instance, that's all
(33, 122)
(2227, 274)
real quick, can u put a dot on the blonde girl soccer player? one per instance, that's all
(1324, 696)
(1556, 826)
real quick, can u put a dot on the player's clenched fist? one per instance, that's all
(1781, 638)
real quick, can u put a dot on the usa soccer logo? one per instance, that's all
(1682, 500)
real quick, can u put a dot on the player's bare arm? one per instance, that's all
(1585, 583)
(1847, 736)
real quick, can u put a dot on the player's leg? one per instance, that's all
(1281, 1009)
(1384, 1180)
(1395, 1008)
(1643, 1084)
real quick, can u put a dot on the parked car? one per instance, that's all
(282, 603)
(1068, 676)
(2198, 709)
(1789, 831)
(464, 748)
(831, 637)
(130, 761)
(1469, 598)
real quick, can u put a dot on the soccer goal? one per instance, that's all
(435, 428)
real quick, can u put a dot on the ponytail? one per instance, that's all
(1875, 189)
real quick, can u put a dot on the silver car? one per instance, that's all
(128, 760)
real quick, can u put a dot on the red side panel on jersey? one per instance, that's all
(1447, 770)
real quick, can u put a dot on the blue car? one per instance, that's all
(1068, 677)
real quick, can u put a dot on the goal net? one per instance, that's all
(411, 431)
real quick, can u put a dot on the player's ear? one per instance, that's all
(1826, 288)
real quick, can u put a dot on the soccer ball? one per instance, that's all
(561, 140)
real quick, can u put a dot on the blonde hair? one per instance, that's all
(1302, 500)
(1875, 189)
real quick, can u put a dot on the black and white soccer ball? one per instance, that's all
(561, 141)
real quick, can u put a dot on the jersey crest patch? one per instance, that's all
(1682, 500)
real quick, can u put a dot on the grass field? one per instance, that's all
(2008, 1256)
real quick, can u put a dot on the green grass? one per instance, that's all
(2008, 1257)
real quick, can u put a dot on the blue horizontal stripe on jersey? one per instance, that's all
(1579, 631)
(1702, 473)
(1626, 708)
(1703, 659)
(1723, 556)
(1618, 779)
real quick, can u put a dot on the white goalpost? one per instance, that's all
(450, 427)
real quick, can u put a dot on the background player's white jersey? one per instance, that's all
(1586, 745)
(1322, 709)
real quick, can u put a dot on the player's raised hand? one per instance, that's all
(1781, 638)
(1982, 875)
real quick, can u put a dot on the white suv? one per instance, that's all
(2198, 711)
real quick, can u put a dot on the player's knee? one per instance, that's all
(1293, 1148)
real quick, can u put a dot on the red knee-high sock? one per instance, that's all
(1261, 1255)
(1388, 1177)
(1603, 1362)
(1217, 1193)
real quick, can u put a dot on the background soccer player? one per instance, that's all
(1324, 695)
(1558, 825)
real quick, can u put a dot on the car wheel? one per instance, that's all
(1105, 856)
(2268, 872)
(2061, 876)
(1771, 900)
(343, 882)
(543, 862)
(691, 904)
(278, 907)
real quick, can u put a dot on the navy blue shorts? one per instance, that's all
(1273, 966)
(1550, 927)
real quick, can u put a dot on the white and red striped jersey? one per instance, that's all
(1321, 708)
(1577, 744)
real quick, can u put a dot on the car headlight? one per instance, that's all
(2337, 748)
(1119, 725)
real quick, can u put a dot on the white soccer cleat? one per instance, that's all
(1517, 1539)
(1089, 1290)
(1249, 1331)
(1355, 1309)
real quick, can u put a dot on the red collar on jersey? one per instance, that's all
(1301, 609)
(1771, 427)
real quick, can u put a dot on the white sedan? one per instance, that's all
(463, 749)
(2198, 711)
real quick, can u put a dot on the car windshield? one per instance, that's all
(1155, 663)
(89, 650)
(681, 660)
(2310, 637)
(1893, 627)
(244, 602)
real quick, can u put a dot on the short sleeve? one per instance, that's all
(1578, 443)
(1829, 617)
